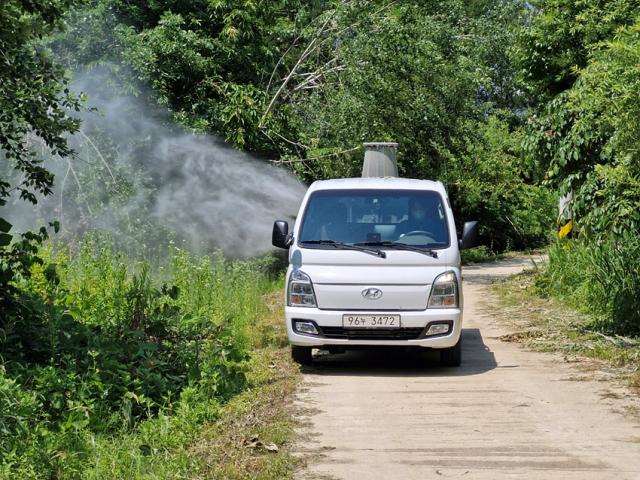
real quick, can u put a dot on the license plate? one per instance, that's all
(371, 321)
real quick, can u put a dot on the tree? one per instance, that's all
(35, 113)
(584, 133)
(487, 183)
(209, 62)
(307, 82)
(411, 73)
(559, 37)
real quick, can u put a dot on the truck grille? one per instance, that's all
(372, 333)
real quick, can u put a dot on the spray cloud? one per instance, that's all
(143, 180)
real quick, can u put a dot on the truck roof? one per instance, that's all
(386, 183)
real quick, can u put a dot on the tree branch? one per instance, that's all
(86, 137)
(307, 51)
(314, 159)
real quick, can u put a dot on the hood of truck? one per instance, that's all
(341, 277)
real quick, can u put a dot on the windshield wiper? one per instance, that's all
(401, 246)
(346, 246)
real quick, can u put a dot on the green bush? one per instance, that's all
(488, 184)
(96, 349)
(599, 278)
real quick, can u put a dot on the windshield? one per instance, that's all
(409, 217)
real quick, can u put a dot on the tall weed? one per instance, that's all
(599, 278)
(100, 348)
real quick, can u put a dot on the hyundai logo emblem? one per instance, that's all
(372, 293)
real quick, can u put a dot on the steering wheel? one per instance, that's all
(415, 233)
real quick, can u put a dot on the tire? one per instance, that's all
(301, 355)
(452, 357)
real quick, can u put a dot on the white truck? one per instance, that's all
(374, 261)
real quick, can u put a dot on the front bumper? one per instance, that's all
(417, 321)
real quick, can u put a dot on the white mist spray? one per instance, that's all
(140, 178)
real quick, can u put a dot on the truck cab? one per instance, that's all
(373, 262)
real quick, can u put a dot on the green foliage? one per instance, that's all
(209, 62)
(304, 82)
(477, 255)
(581, 138)
(559, 36)
(16, 262)
(99, 349)
(607, 90)
(431, 78)
(35, 115)
(34, 100)
(581, 61)
(598, 278)
(605, 97)
(418, 80)
(607, 202)
(585, 139)
(488, 184)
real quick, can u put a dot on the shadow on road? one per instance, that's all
(477, 358)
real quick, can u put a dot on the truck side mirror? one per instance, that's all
(469, 235)
(280, 237)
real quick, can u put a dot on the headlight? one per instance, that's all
(444, 292)
(300, 290)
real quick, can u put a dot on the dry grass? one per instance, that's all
(546, 324)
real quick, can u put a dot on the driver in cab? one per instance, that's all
(423, 218)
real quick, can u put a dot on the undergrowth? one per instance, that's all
(600, 279)
(109, 369)
(478, 255)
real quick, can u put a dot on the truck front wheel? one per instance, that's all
(452, 357)
(301, 355)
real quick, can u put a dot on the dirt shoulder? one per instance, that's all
(547, 325)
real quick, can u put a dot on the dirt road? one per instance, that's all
(505, 413)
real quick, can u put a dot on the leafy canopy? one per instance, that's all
(35, 114)
(584, 137)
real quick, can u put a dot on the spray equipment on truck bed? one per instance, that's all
(380, 159)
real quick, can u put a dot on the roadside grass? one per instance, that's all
(255, 433)
(111, 370)
(483, 254)
(478, 255)
(549, 324)
(249, 436)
